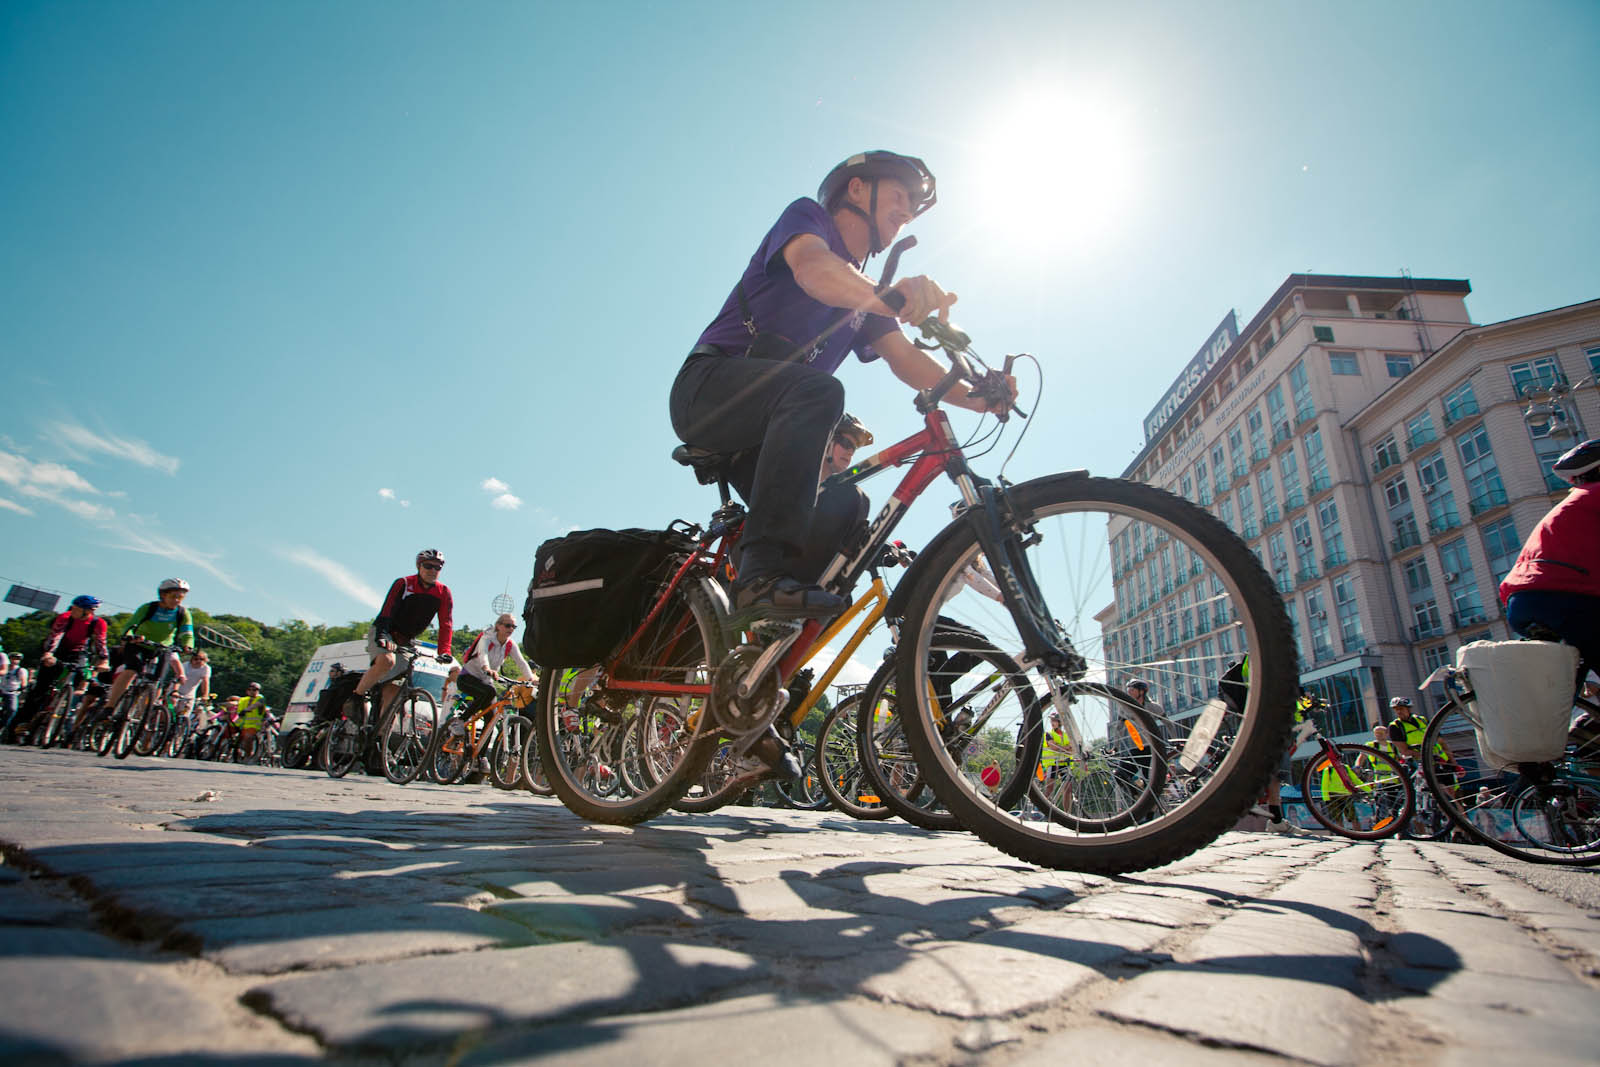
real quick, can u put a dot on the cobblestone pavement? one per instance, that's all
(290, 917)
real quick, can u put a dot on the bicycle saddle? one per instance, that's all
(709, 467)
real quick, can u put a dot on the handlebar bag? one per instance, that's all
(591, 589)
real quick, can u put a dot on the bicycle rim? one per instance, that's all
(1544, 813)
(581, 748)
(408, 735)
(341, 748)
(888, 767)
(1370, 801)
(1086, 591)
(506, 758)
(838, 764)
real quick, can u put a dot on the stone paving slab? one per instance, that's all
(353, 921)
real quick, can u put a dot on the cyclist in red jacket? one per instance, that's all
(413, 601)
(1555, 583)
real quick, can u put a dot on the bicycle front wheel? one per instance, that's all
(408, 735)
(506, 757)
(838, 764)
(581, 725)
(1358, 792)
(1096, 564)
(135, 707)
(1542, 812)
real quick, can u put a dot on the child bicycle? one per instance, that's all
(1071, 534)
(397, 738)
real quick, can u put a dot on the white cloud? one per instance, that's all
(51, 481)
(84, 441)
(84, 509)
(12, 505)
(133, 539)
(506, 502)
(388, 494)
(337, 575)
(494, 485)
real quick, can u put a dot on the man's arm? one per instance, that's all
(919, 370)
(446, 609)
(828, 279)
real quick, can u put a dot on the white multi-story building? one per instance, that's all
(1382, 456)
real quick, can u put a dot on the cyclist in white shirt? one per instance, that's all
(480, 670)
(194, 683)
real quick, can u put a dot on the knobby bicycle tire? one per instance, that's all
(447, 754)
(506, 754)
(341, 748)
(1380, 804)
(1063, 527)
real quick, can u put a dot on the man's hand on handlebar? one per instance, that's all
(919, 298)
(446, 658)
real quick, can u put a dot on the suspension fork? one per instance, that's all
(1002, 538)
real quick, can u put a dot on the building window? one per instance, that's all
(1534, 374)
(1398, 366)
(1316, 460)
(1436, 491)
(1344, 363)
(1460, 403)
(1484, 488)
(1416, 575)
(1269, 498)
(1332, 535)
(1305, 549)
(1349, 613)
(1420, 431)
(1186, 487)
(1396, 492)
(1275, 413)
(1466, 609)
(1317, 623)
(1425, 620)
(1258, 434)
(1594, 359)
(1501, 546)
(1300, 386)
(1323, 334)
(1386, 454)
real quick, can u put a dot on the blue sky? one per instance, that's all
(291, 290)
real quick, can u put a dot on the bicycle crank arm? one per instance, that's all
(790, 631)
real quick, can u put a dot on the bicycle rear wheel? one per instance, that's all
(447, 755)
(135, 706)
(1075, 547)
(1374, 803)
(679, 648)
(407, 736)
(804, 792)
(838, 764)
(157, 723)
(887, 765)
(1542, 812)
(341, 748)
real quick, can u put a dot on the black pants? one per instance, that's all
(1573, 617)
(782, 416)
(481, 692)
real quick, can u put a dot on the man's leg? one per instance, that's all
(786, 412)
(840, 517)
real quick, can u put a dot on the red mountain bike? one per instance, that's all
(1098, 578)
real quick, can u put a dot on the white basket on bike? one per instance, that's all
(1522, 698)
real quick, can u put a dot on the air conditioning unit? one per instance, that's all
(1450, 577)
(1319, 615)
(1304, 542)
(1427, 487)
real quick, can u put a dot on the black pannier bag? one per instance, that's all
(333, 698)
(591, 590)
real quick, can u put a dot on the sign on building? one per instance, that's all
(33, 599)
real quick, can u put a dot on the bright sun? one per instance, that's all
(1056, 170)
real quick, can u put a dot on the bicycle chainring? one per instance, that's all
(736, 715)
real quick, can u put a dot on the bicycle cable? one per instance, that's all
(1038, 398)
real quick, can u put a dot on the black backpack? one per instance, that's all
(334, 696)
(591, 589)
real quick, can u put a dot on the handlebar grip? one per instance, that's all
(892, 264)
(892, 298)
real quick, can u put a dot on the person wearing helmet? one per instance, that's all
(153, 627)
(13, 681)
(409, 608)
(1554, 586)
(76, 638)
(759, 384)
(252, 716)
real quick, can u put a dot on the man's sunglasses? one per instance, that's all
(432, 566)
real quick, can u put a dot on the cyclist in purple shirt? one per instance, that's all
(760, 381)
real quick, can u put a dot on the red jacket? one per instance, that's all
(1562, 555)
(68, 636)
(411, 606)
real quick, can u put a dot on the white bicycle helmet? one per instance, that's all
(173, 583)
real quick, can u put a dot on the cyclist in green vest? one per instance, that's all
(1407, 728)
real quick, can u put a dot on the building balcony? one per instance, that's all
(1423, 437)
(1303, 416)
(1384, 461)
(1294, 500)
(1283, 584)
(1306, 574)
(1432, 629)
(1196, 568)
(1321, 484)
(1338, 559)
(1405, 539)
(1270, 515)
(1259, 453)
(1457, 413)
(1282, 432)
(1250, 531)
(1461, 620)
(1495, 498)
(1555, 483)
(1239, 468)
(1444, 523)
